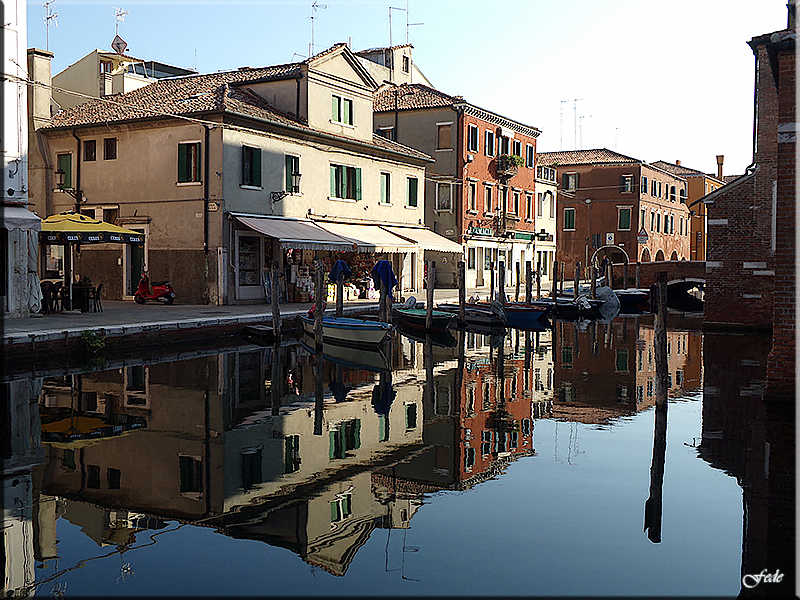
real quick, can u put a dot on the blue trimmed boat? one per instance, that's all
(347, 331)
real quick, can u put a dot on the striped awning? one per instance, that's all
(371, 238)
(295, 233)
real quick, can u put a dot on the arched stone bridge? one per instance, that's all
(683, 273)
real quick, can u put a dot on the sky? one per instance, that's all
(652, 79)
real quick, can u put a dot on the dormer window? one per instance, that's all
(406, 64)
(342, 110)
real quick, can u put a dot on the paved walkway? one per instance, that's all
(128, 320)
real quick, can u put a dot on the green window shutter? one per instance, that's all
(333, 181)
(357, 434)
(335, 110)
(288, 177)
(246, 165)
(256, 167)
(347, 117)
(65, 164)
(332, 448)
(183, 162)
(358, 183)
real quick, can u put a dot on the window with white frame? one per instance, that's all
(251, 166)
(342, 110)
(504, 143)
(444, 199)
(443, 136)
(291, 167)
(406, 64)
(683, 196)
(473, 197)
(672, 193)
(487, 199)
(345, 182)
(570, 181)
(387, 132)
(653, 187)
(569, 219)
(412, 189)
(550, 199)
(386, 188)
(529, 156)
(516, 203)
(540, 204)
(488, 143)
(517, 148)
(472, 138)
(624, 218)
(471, 259)
(644, 184)
(643, 219)
(188, 162)
(652, 220)
(529, 206)
(625, 184)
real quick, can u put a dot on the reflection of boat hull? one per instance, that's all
(346, 331)
(369, 359)
(477, 314)
(520, 315)
(415, 318)
(634, 300)
(443, 339)
(567, 308)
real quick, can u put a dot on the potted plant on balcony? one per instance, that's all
(508, 164)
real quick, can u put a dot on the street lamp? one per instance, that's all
(77, 194)
(275, 196)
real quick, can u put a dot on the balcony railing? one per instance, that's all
(508, 165)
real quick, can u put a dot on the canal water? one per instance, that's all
(478, 463)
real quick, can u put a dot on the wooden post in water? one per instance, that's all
(625, 276)
(491, 282)
(577, 280)
(319, 403)
(593, 274)
(529, 283)
(516, 294)
(501, 285)
(652, 508)
(429, 302)
(638, 274)
(319, 300)
(340, 295)
(609, 282)
(562, 276)
(276, 311)
(462, 292)
(554, 288)
(383, 304)
(275, 378)
(538, 282)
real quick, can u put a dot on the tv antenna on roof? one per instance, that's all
(119, 15)
(49, 16)
(391, 8)
(314, 8)
(118, 44)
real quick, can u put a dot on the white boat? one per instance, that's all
(348, 331)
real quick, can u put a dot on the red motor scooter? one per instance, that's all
(160, 291)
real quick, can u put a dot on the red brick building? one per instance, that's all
(751, 227)
(480, 191)
(606, 199)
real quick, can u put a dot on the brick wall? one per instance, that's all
(781, 363)
(741, 262)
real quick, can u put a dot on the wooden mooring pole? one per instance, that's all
(529, 283)
(491, 282)
(276, 311)
(577, 280)
(319, 300)
(501, 287)
(340, 295)
(462, 292)
(429, 301)
(516, 292)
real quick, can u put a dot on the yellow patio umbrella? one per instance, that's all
(71, 229)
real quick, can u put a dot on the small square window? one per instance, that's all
(569, 219)
(624, 221)
(110, 149)
(570, 181)
(90, 150)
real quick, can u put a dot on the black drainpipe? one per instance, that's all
(205, 190)
(78, 174)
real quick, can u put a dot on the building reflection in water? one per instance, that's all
(235, 440)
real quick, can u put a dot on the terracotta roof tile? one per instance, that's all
(410, 96)
(582, 157)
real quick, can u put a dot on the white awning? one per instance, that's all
(426, 239)
(17, 217)
(294, 233)
(371, 238)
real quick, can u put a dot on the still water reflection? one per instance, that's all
(519, 463)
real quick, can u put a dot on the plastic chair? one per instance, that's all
(94, 298)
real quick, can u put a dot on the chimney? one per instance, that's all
(720, 158)
(792, 16)
(39, 98)
(677, 163)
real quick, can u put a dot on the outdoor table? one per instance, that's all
(81, 297)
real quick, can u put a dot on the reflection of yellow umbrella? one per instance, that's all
(79, 424)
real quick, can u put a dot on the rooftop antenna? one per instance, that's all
(49, 16)
(391, 8)
(119, 15)
(575, 121)
(314, 8)
(409, 24)
(580, 128)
